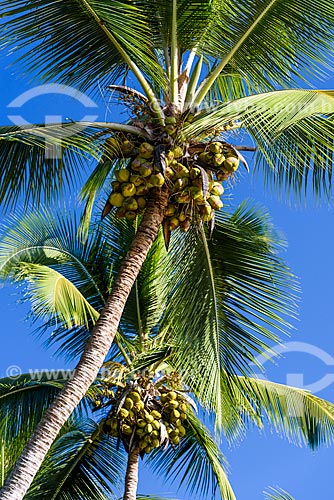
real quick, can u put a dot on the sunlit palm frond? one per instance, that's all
(269, 42)
(295, 413)
(230, 296)
(277, 494)
(51, 294)
(292, 129)
(82, 463)
(197, 462)
(91, 51)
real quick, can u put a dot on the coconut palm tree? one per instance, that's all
(161, 348)
(205, 69)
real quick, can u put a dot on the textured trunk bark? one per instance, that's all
(131, 478)
(95, 352)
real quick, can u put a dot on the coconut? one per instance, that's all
(169, 172)
(170, 120)
(215, 147)
(171, 405)
(185, 225)
(182, 431)
(183, 197)
(146, 150)
(128, 189)
(130, 203)
(116, 199)
(155, 443)
(177, 152)
(146, 169)
(181, 171)
(156, 425)
(194, 173)
(149, 418)
(123, 413)
(128, 404)
(222, 176)
(215, 202)
(141, 202)
(126, 429)
(173, 223)
(135, 396)
(130, 215)
(170, 129)
(116, 186)
(180, 184)
(171, 395)
(231, 164)
(137, 180)
(122, 175)
(157, 180)
(148, 428)
(218, 160)
(156, 414)
(196, 192)
(142, 190)
(217, 189)
(170, 210)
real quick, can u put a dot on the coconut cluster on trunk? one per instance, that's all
(146, 415)
(194, 174)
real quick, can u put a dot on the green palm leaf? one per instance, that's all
(82, 463)
(197, 462)
(292, 129)
(24, 400)
(51, 294)
(268, 42)
(277, 494)
(94, 46)
(240, 298)
(40, 160)
(295, 413)
(148, 298)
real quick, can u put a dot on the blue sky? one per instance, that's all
(261, 459)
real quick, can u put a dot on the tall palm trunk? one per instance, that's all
(131, 478)
(95, 352)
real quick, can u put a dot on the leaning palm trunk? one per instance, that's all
(92, 359)
(131, 478)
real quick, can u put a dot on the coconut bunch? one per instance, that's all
(194, 175)
(147, 416)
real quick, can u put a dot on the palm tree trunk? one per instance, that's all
(92, 359)
(131, 478)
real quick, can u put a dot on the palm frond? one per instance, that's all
(196, 462)
(23, 401)
(92, 50)
(268, 42)
(147, 301)
(82, 463)
(292, 129)
(230, 296)
(277, 494)
(52, 295)
(39, 161)
(294, 413)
